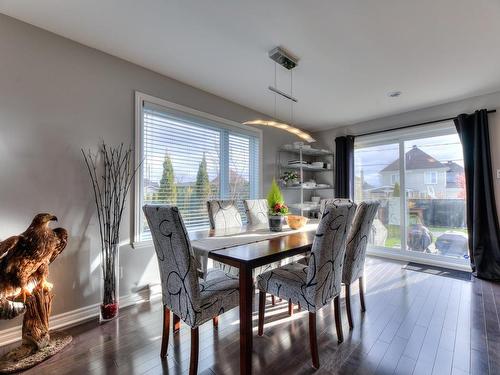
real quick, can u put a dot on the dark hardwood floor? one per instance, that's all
(415, 323)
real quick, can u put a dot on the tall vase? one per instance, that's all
(108, 310)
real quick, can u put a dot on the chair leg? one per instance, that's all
(362, 294)
(193, 361)
(166, 332)
(290, 308)
(298, 307)
(216, 321)
(177, 324)
(313, 340)
(273, 300)
(348, 305)
(338, 319)
(262, 307)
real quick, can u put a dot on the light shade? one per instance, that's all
(299, 133)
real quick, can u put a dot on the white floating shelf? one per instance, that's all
(307, 151)
(307, 188)
(306, 167)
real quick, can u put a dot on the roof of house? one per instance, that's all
(415, 159)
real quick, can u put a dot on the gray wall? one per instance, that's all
(57, 96)
(491, 101)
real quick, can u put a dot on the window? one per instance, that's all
(394, 178)
(431, 178)
(189, 157)
(419, 181)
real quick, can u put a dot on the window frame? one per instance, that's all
(400, 136)
(428, 178)
(394, 178)
(222, 123)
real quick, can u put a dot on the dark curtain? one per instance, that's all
(344, 167)
(482, 219)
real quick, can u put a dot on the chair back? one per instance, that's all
(223, 214)
(327, 254)
(176, 261)
(358, 240)
(256, 210)
(324, 202)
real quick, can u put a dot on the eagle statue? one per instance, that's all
(24, 262)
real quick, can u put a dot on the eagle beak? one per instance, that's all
(53, 218)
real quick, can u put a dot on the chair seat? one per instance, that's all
(218, 293)
(287, 282)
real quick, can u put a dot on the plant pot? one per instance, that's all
(276, 223)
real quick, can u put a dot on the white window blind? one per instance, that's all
(187, 160)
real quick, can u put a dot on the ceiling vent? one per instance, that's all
(284, 58)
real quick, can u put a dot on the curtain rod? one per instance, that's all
(414, 125)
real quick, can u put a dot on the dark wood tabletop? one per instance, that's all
(265, 252)
(246, 258)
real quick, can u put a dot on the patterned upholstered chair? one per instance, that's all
(223, 214)
(354, 262)
(322, 205)
(257, 211)
(315, 285)
(194, 301)
(324, 202)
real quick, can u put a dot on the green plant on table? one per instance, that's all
(275, 201)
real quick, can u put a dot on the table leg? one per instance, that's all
(246, 304)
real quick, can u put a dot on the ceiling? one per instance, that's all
(352, 53)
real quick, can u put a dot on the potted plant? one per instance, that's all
(290, 178)
(277, 208)
(111, 175)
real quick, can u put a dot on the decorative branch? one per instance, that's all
(110, 189)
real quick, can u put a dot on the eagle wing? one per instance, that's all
(62, 235)
(8, 244)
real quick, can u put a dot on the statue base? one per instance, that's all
(27, 356)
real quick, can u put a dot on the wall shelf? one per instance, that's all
(306, 151)
(307, 188)
(306, 167)
(306, 156)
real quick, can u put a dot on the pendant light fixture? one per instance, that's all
(283, 58)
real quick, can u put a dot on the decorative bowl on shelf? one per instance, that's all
(296, 221)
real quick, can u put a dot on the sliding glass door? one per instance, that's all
(419, 181)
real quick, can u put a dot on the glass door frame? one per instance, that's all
(400, 137)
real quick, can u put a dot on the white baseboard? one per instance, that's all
(74, 317)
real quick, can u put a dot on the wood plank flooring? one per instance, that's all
(415, 323)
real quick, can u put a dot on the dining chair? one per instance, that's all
(193, 301)
(257, 211)
(324, 202)
(322, 205)
(223, 214)
(315, 285)
(354, 262)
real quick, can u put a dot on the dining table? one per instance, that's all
(246, 248)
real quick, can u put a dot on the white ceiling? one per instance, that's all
(351, 52)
